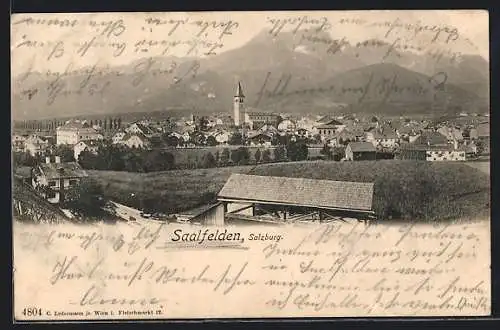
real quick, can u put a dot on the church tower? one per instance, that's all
(239, 97)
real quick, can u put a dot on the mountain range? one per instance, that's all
(292, 72)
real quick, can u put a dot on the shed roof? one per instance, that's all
(327, 194)
(362, 147)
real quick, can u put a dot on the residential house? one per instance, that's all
(260, 139)
(387, 138)
(344, 137)
(431, 147)
(36, 145)
(256, 119)
(360, 151)
(74, 132)
(139, 128)
(118, 136)
(287, 125)
(19, 143)
(81, 146)
(431, 138)
(58, 177)
(303, 133)
(451, 133)
(329, 129)
(221, 137)
(136, 140)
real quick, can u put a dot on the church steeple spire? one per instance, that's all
(238, 106)
(239, 91)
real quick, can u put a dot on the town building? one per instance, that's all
(139, 128)
(329, 129)
(136, 140)
(239, 106)
(260, 139)
(385, 139)
(19, 143)
(432, 153)
(451, 133)
(118, 136)
(360, 151)
(287, 125)
(256, 119)
(57, 177)
(81, 146)
(74, 132)
(36, 145)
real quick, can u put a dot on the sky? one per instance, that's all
(32, 44)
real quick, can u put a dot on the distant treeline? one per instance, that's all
(120, 158)
(50, 125)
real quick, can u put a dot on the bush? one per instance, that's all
(297, 151)
(280, 153)
(266, 156)
(208, 160)
(240, 156)
(257, 156)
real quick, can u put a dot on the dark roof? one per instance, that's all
(239, 90)
(299, 192)
(330, 124)
(431, 138)
(62, 170)
(23, 171)
(144, 129)
(483, 129)
(362, 147)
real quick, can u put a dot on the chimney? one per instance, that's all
(47, 160)
(58, 160)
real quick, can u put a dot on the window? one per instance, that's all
(73, 182)
(52, 183)
(51, 194)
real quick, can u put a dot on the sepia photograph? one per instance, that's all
(171, 165)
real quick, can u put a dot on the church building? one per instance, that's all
(254, 119)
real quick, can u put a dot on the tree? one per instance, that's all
(23, 159)
(236, 139)
(327, 151)
(203, 124)
(266, 155)
(208, 160)
(172, 141)
(244, 155)
(297, 151)
(85, 199)
(217, 157)
(211, 141)
(338, 153)
(257, 156)
(224, 157)
(65, 152)
(280, 153)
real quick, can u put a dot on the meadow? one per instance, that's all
(410, 190)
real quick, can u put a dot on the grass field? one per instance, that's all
(482, 166)
(403, 189)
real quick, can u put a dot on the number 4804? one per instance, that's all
(32, 311)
